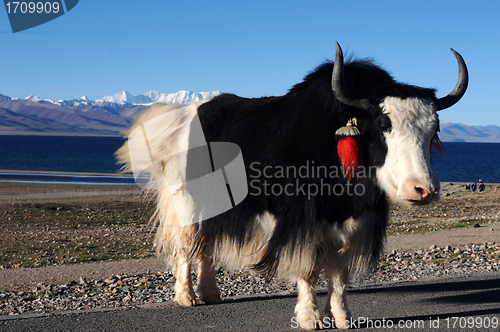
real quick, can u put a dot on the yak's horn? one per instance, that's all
(460, 88)
(339, 90)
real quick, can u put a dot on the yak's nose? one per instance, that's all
(418, 191)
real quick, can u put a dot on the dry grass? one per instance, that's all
(35, 234)
(457, 209)
(51, 233)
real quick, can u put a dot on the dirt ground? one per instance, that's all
(104, 219)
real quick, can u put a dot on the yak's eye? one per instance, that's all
(386, 129)
(385, 124)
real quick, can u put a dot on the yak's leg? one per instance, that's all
(207, 287)
(336, 304)
(184, 292)
(308, 315)
(178, 232)
(181, 241)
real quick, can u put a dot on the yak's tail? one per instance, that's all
(139, 152)
(156, 147)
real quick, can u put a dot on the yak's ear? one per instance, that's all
(348, 148)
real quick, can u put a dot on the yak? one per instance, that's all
(309, 175)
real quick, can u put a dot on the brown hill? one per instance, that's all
(25, 116)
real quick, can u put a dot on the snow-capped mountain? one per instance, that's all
(106, 116)
(151, 97)
(182, 97)
(112, 114)
(124, 97)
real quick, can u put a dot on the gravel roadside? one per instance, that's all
(126, 284)
(144, 282)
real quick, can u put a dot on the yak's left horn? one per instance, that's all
(460, 88)
(339, 90)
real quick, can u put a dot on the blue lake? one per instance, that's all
(459, 162)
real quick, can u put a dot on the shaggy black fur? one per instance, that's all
(298, 129)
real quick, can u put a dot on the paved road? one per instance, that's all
(425, 305)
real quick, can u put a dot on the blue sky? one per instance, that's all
(252, 48)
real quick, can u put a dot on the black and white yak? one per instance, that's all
(306, 206)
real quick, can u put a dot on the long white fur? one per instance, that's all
(167, 130)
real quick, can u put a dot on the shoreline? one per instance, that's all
(118, 134)
(69, 178)
(16, 133)
(444, 184)
(119, 174)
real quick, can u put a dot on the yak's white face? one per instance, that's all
(406, 175)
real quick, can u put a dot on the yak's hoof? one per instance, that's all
(342, 323)
(185, 301)
(312, 321)
(212, 299)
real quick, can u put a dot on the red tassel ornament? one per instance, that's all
(348, 148)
